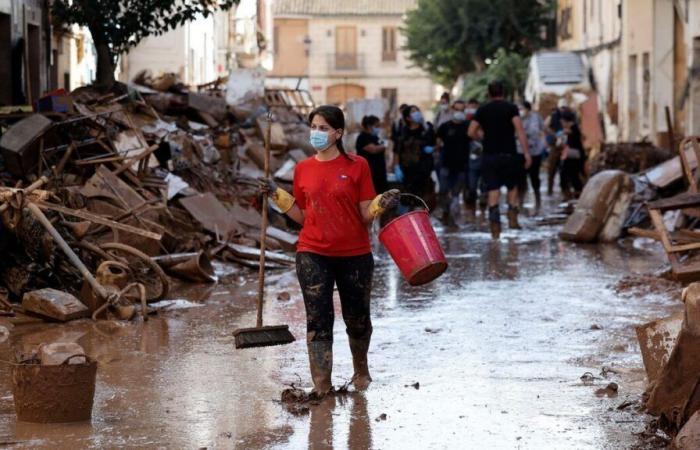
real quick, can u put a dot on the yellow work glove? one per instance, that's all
(382, 202)
(283, 199)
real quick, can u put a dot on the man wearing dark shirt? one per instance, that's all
(453, 144)
(497, 123)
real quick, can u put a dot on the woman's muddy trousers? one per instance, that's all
(353, 276)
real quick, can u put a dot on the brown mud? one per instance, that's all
(488, 356)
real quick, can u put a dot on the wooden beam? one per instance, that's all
(100, 220)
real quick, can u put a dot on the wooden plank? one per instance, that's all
(658, 222)
(680, 201)
(136, 158)
(100, 220)
(641, 232)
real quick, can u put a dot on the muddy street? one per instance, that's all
(489, 356)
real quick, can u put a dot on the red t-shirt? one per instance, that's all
(329, 193)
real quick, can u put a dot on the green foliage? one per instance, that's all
(448, 38)
(510, 68)
(122, 24)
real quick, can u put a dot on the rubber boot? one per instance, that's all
(321, 365)
(513, 218)
(361, 378)
(538, 203)
(495, 221)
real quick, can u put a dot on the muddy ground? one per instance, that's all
(489, 356)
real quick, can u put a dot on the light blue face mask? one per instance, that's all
(319, 140)
(417, 116)
(376, 131)
(459, 116)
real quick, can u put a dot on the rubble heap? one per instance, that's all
(154, 176)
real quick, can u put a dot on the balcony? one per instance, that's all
(346, 63)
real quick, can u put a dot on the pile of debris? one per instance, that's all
(624, 200)
(628, 157)
(140, 183)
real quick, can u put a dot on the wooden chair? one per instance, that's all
(677, 244)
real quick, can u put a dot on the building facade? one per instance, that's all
(36, 57)
(342, 51)
(206, 48)
(25, 52)
(644, 57)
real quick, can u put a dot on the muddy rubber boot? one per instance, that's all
(495, 222)
(321, 365)
(361, 378)
(513, 218)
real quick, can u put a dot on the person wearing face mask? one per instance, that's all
(334, 201)
(370, 146)
(453, 145)
(415, 155)
(443, 113)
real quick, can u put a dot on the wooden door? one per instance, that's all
(346, 48)
(339, 94)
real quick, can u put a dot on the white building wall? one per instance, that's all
(76, 58)
(412, 84)
(189, 51)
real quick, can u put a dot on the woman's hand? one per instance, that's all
(390, 199)
(564, 152)
(267, 186)
(382, 202)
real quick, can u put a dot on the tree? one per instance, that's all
(510, 68)
(118, 25)
(448, 38)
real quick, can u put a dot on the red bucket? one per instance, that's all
(414, 247)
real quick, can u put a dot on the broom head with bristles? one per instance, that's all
(263, 336)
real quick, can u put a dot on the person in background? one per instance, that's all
(333, 201)
(534, 129)
(415, 155)
(572, 157)
(554, 129)
(443, 113)
(475, 188)
(370, 146)
(497, 123)
(453, 145)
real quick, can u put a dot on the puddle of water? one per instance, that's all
(498, 346)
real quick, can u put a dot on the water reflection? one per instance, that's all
(326, 419)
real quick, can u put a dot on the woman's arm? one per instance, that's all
(296, 214)
(367, 217)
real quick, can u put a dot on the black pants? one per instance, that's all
(533, 173)
(571, 175)
(353, 275)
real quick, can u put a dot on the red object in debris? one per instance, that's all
(414, 247)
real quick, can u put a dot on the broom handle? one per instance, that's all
(263, 230)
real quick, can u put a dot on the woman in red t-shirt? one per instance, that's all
(334, 201)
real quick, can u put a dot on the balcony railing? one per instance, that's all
(346, 63)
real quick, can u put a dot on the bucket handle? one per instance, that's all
(406, 194)
(83, 355)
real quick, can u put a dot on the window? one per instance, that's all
(389, 44)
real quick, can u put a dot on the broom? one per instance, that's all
(262, 336)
